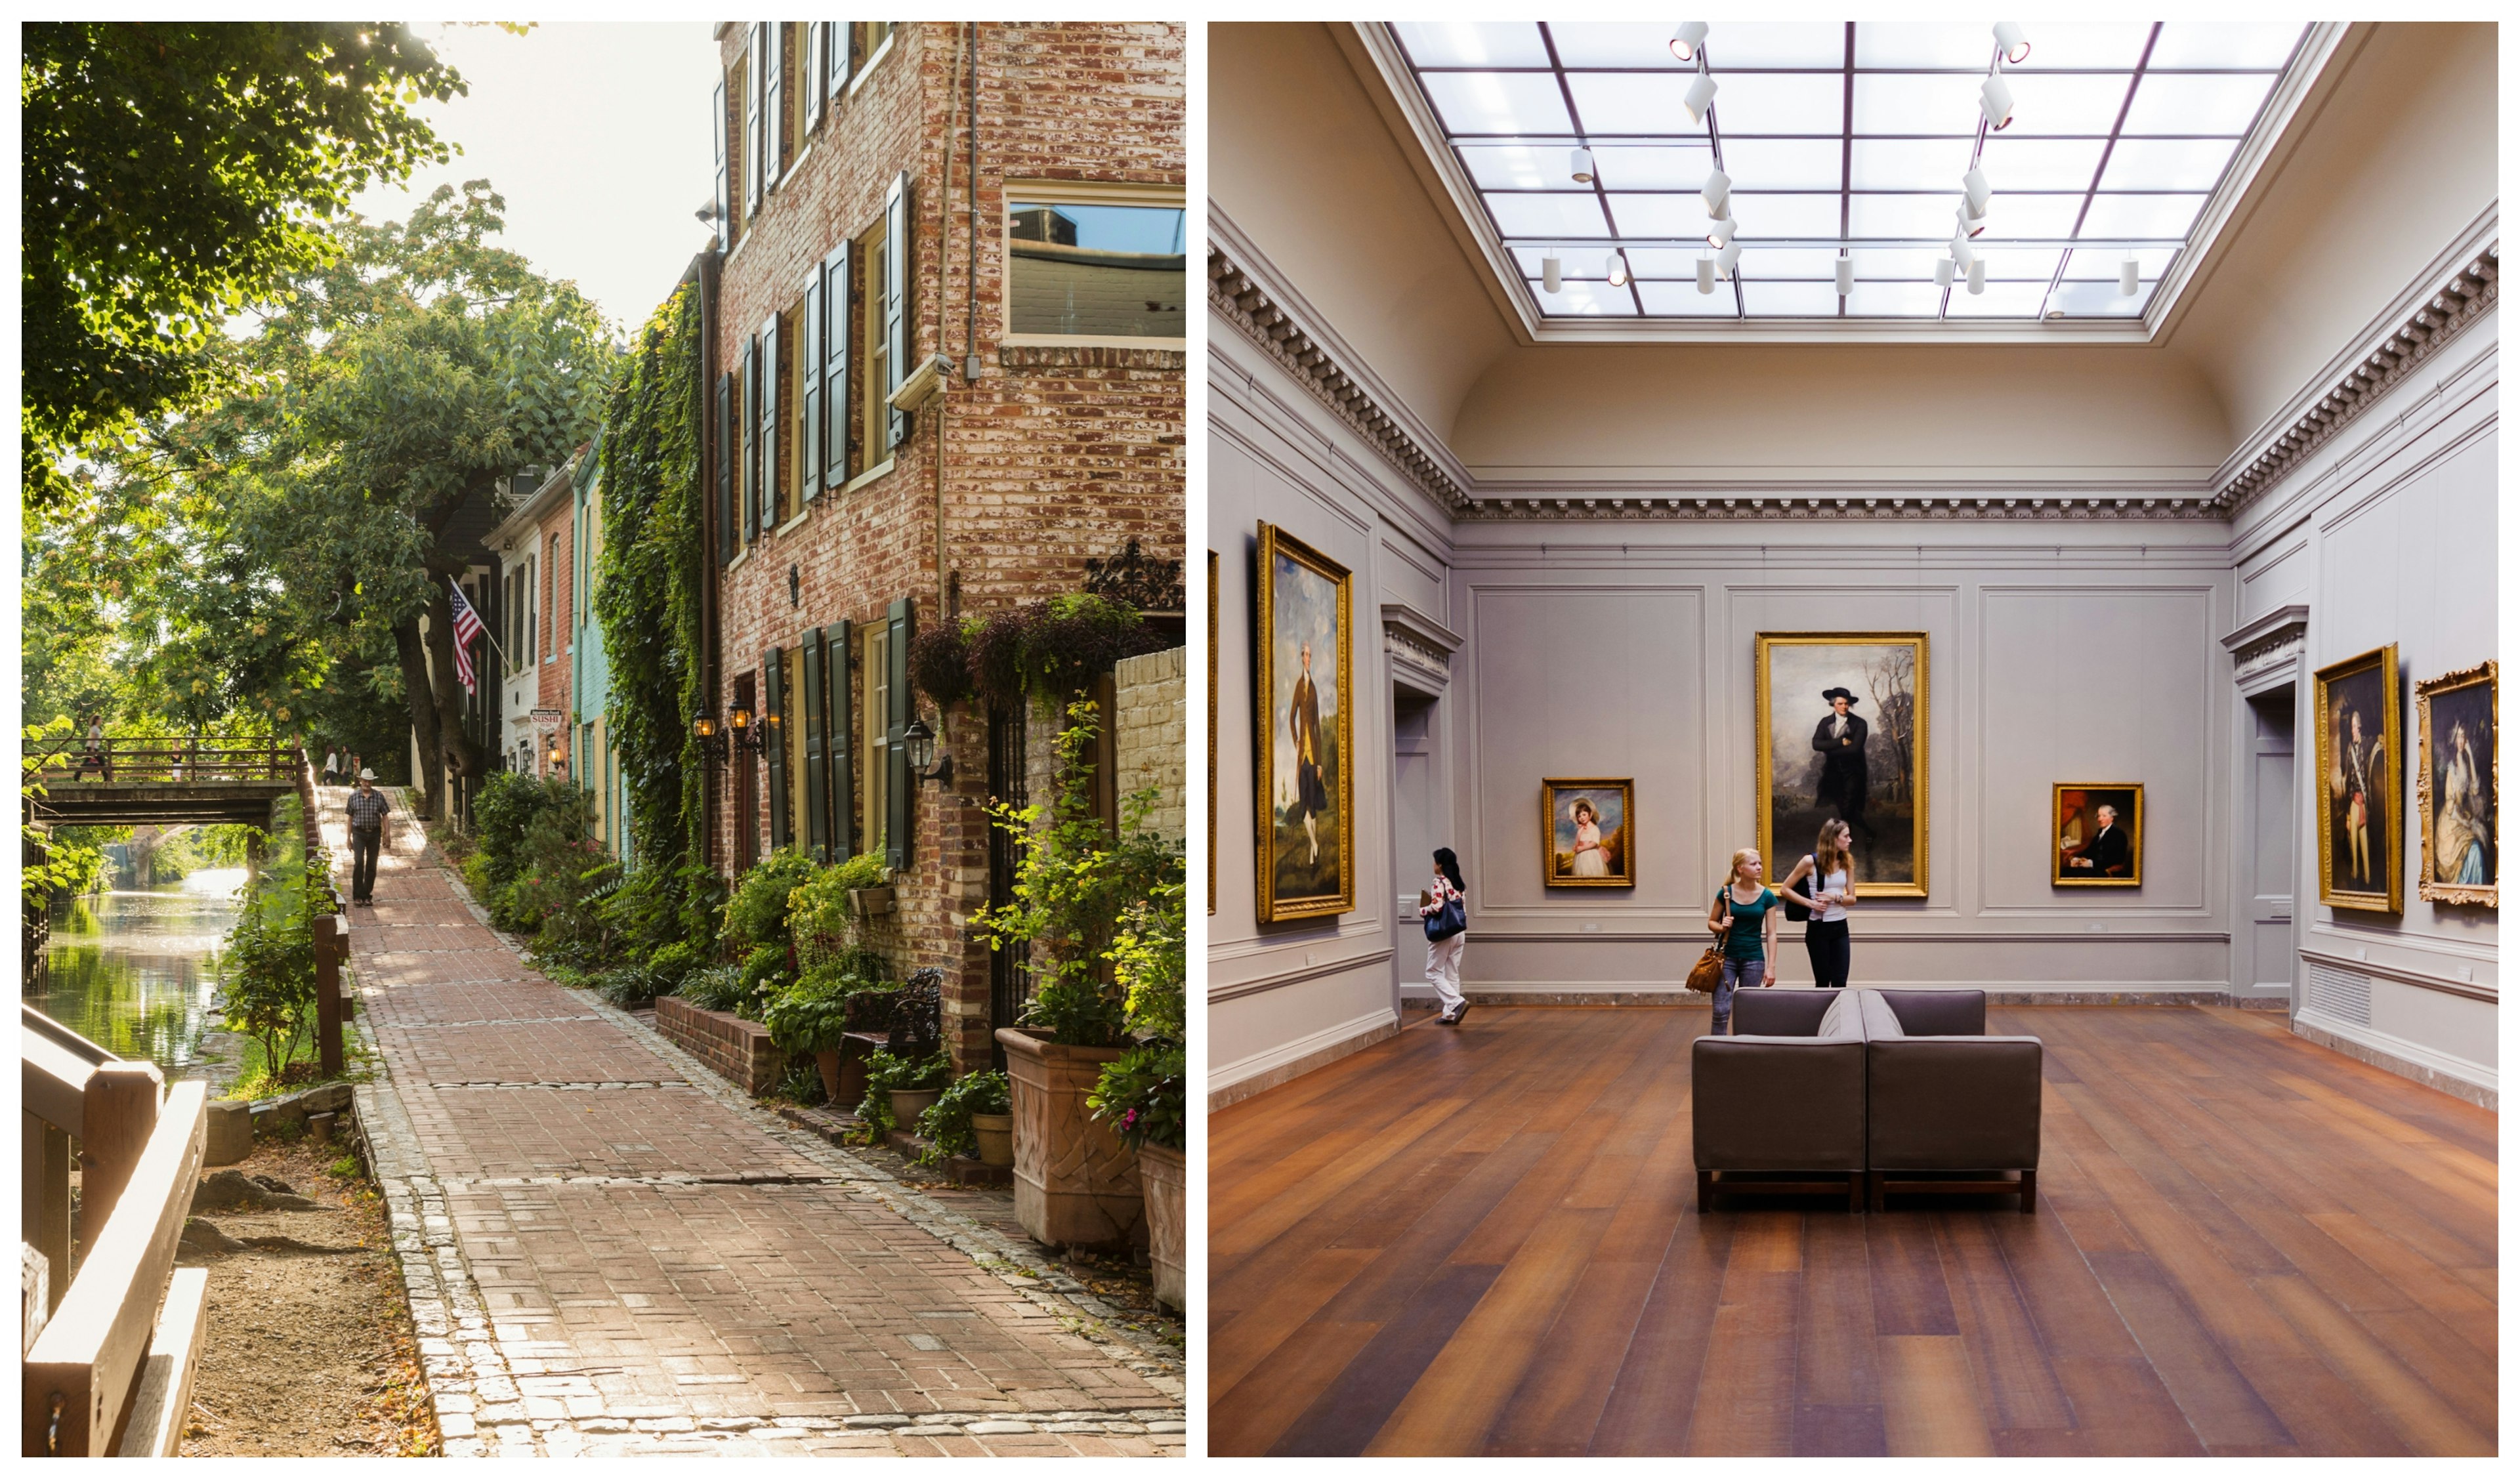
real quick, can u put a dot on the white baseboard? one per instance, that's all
(2431, 1067)
(1264, 1071)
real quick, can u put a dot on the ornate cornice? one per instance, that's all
(1870, 506)
(2270, 643)
(1419, 645)
(1247, 306)
(2466, 296)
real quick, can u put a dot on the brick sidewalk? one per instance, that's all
(611, 1252)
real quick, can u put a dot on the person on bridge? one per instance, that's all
(96, 754)
(332, 765)
(368, 808)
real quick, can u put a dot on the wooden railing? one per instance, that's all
(110, 1353)
(167, 759)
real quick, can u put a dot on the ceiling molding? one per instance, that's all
(2451, 295)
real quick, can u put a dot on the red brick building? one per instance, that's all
(946, 329)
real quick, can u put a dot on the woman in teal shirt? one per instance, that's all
(1747, 923)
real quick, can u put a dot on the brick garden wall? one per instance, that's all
(735, 1050)
(1051, 458)
(1151, 735)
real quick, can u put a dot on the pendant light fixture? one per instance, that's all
(1943, 271)
(1969, 225)
(1705, 273)
(1553, 274)
(1578, 164)
(1616, 268)
(1975, 186)
(1717, 194)
(1962, 252)
(2008, 39)
(1686, 41)
(1700, 98)
(1845, 275)
(2130, 277)
(1726, 259)
(1722, 232)
(1977, 276)
(1994, 100)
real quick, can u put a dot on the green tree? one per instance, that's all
(172, 173)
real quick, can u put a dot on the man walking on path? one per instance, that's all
(367, 807)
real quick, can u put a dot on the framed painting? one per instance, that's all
(1587, 833)
(1307, 863)
(2457, 735)
(2098, 833)
(1842, 736)
(2359, 831)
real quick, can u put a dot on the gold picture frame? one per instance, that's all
(2125, 799)
(2454, 814)
(1303, 604)
(1562, 842)
(2344, 694)
(1894, 670)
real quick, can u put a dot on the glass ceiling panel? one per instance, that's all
(2121, 132)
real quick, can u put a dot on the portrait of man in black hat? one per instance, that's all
(1844, 780)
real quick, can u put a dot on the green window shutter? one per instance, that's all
(723, 505)
(754, 57)
(717, 154)
(896, 279)
(897, 781)
(748, 386)
(836, 367)
(809, 74)
(774, 105)
(818, 834)
(844, 738)
(809, 365)
(768, 432)
(773, 718)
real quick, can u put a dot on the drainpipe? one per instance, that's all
(704, 273)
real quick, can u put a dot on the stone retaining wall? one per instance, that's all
(736, 1050)
(1150, 734)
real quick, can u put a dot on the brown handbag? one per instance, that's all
(1708, 972)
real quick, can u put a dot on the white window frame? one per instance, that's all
(1013, 192)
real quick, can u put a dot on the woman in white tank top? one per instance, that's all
(1823, 883)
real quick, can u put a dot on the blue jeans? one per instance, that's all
(1745, 975)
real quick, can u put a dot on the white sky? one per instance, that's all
(596, 136)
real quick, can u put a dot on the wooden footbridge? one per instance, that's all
(164, 779)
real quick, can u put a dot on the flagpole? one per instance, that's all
(458, 587)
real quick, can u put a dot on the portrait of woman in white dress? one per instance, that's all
(2459, 835)
(1591, 862)
(2456, 729)
(1585, 837)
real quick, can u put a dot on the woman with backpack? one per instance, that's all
(1446, 910)
(1816, 893)
(1747, 929)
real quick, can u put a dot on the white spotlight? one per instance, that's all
(1617, 269)
(2007, 35)
(1553, 274)
(1579, 163)
(1701, 97)
(1686, 41)
(1979, 192)
(1977, 276)
(1717, 191)
(1969, 225)
(2130, 277)
(1705, 274)
(1994, 100)
(1943, 267)
(1722, 231)
(1724, 260)
(1962, 252)
(1845, 276)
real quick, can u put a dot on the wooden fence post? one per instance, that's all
(330, 946)
(44, 1190)
(120, 1111)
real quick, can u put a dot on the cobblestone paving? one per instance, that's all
(608, 1251)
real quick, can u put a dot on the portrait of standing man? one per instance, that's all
(1844, 778)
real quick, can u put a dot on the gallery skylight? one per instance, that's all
(1845, 141)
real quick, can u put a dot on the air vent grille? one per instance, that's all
(2341, 995)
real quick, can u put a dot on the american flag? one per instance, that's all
(468, 630)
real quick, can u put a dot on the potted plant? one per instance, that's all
(1076, 1184)
(973, 1117)
(812, 1019)
(1143, 1095)
(899, 1090)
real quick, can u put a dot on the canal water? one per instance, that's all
(134, 970)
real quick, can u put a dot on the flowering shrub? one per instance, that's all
(1144, 1094)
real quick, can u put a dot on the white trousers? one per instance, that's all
(1444, 970)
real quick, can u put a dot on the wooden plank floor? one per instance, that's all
(1483, 1240)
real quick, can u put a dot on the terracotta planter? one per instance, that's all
(1076, 1186)
(908, 1104)
(828, 1062)
(871, 902)
(996, 1134)
(1166, 1174)
(853, 1077)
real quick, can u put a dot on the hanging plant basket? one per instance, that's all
(940, 665)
